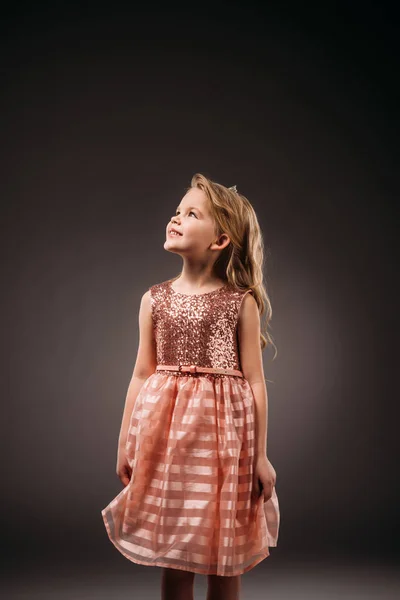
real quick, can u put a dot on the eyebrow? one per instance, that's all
(189, 207)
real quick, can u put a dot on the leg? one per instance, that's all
(223, 588)
(176, 584)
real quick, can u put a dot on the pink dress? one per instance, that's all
(191, 445)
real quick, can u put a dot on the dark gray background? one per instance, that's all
(107, 112)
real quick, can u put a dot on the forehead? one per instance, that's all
(194, 197)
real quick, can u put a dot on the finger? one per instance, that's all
(256, 489)
(124, 476)
(125, 480)
(267, 493)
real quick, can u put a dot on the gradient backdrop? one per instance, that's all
(107, 112)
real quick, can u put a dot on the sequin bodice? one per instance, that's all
(196, 329)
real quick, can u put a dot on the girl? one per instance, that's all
(199, 493)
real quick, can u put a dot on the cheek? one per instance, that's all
(192, 227)
(200, 231)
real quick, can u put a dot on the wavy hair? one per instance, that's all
(241, 263)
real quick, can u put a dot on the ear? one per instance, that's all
(222, 242)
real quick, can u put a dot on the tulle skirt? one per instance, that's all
(189, 502)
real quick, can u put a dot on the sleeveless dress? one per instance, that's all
(191, 446)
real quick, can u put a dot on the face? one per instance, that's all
(194, 222)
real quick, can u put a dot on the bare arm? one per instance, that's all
(146, 362)
(252, 367)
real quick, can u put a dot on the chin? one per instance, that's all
(170, 248)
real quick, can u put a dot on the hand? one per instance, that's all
(264, 478)
(124, 470)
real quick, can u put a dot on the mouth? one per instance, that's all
(174, 233)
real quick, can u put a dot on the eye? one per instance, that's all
(191, 212)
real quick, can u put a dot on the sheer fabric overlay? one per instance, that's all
(189, 504)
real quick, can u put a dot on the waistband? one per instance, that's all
(197, 369)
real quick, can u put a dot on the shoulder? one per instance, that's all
(145, 302)
(242, 301)
(240, 294)
(146, 298)
(247, 297)
(248, 307)
(158, 287)
(157, 294)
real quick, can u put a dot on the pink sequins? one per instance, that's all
(198, 329)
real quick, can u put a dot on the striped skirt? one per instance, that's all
(189, 502)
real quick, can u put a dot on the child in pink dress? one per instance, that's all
(199, 493)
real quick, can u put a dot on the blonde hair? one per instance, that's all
(241, 263)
